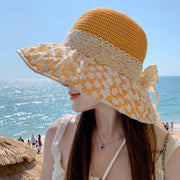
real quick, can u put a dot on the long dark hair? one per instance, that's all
(137, 140)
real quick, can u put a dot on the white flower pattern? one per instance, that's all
(65, 65)
(114, 91)
(91, 75)
(97, 84)
(88, 85)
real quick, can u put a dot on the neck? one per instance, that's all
(108, 123)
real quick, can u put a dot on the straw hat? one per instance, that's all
(102, 55)
(18, 160)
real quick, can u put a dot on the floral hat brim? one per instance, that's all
(68, 66)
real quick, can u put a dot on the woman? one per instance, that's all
(118, 133)
(39, 143)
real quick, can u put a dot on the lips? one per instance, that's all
(74, 95)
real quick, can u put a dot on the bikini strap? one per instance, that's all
(61, 129)
(113, 159)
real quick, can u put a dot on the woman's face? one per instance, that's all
(81, 101)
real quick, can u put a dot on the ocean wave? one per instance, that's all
(23, 103)
(36, 102)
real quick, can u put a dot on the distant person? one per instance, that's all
(33, 141)
(167, 126)
(39, 143)
(29, 142)
(171, 128)
(21, 139)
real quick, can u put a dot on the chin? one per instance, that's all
(76, 110)
(82, 109)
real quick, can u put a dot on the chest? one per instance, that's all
(101, 160)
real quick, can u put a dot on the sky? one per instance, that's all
(24, 23)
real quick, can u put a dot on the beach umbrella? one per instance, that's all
(18, 161)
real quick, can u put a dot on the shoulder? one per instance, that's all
(51, 131)
(161, 135)
(172, 156)
(173, 163)
(48, 159)
(173, 142)
(53, 127)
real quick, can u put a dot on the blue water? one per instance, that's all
(29, 106)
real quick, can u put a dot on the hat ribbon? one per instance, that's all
(148, 78)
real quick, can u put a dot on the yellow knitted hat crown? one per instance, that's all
(116, 28)
(102, 55)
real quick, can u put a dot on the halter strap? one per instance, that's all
(113, 159)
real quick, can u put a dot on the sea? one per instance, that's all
(29, 106)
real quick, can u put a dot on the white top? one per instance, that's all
(59, 173)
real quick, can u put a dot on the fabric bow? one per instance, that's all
(148, 78)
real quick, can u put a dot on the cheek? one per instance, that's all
(89, 101)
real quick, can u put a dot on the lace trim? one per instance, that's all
(104, 52)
